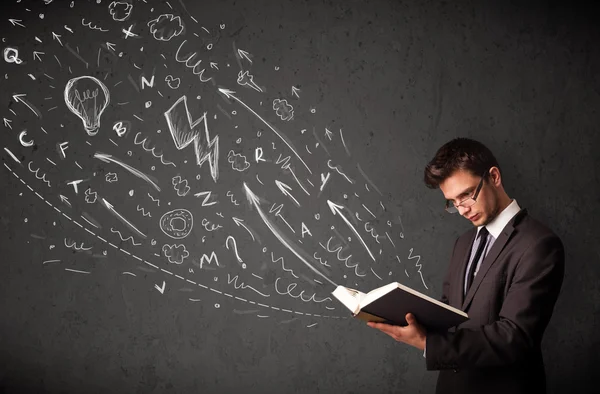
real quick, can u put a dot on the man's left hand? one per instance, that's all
(413, 334)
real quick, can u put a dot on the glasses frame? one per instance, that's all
(453, 208)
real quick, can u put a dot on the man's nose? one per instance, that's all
(463, 211)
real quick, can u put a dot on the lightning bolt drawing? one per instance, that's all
(185, 131)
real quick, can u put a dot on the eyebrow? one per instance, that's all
(465, 192)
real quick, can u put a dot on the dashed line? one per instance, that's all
(156, 267)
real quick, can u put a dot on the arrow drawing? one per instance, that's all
(7, 123)
(240, 222)
(214, 65)
(110, 207)
(15, 22)
(19, 99)
(295, 91)
(64, 199)
(36, 55)
(285, 189)
(229, 94)
(161, 289)
(337, 209)
(108, 158)
(110, 45)
(57, 38)
(185, 131)
(244, 55)
(254, 200)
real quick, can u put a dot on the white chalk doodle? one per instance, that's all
(338, 249)
(230, 94)
(93, 27)
(246, 79)
(242, 285)
(295, 91)
(337, 210)
(156, 200)
(11, 55)
(185, 131)
(161, 289)
(90, 196)
(244, 55)
(20, 98)
(177, 223)
(230, 195)
(208, 226)
(238, 161)
(73, 245)
(173, 83)
(112, 210)
(206, 202)
(180, 186)
(36, 173)
(240, 222)
(339, 171)
(175, 253)
(189, 63)
(120, 10)
(64, 200)
(109, 159)
(143, 211)
(22, 135)
(284, 110)
(235, 251)
(121, 128)
(291, 287)
(166, 26)
(144, 142)
(130, 238)
(283, 265)
(204, 259)
(111, 177)
(285, 189)
(302, 255)
(87, 105)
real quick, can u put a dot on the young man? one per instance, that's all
(505, 273)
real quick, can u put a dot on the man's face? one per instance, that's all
(461, 185)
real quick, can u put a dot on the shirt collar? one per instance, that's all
(496, 226)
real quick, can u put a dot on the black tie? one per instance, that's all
(483, 233)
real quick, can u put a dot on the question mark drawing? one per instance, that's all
(234, 248)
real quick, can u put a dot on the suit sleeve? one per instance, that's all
(523, 318)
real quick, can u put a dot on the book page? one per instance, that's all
(349, 297)
(377, 293)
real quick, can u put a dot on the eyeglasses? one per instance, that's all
(467, 202)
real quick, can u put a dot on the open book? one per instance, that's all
(390, 304)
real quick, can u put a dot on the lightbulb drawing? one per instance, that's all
(85, 100)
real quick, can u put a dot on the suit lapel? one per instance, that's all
(491, 257)
(466, 253)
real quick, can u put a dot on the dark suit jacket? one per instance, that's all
(509, 305)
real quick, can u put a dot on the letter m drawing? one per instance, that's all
(185, 131)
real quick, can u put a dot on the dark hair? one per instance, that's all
(458, 154)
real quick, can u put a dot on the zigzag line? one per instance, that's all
(144, 213)
(124, 239)
(283, 266)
